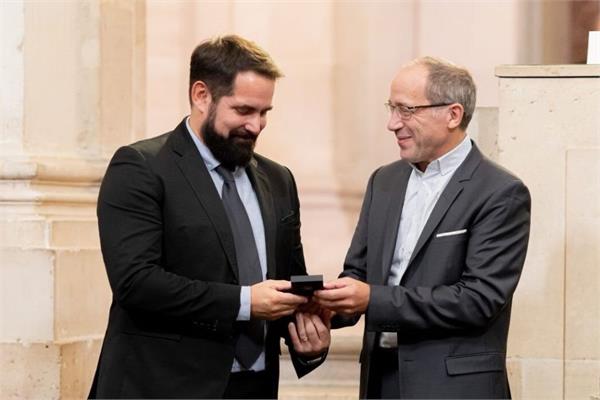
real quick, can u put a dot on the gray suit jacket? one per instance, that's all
(452, 307)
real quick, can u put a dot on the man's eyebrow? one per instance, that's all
(397, 104)
(251, 108)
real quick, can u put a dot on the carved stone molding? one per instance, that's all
(54, 183)
(57, 170)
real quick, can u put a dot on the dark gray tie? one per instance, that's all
(250, 340)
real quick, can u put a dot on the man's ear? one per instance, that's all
(200, 97)
(455, 115)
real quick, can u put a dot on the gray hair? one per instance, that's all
(449, 83)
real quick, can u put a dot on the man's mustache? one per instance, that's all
(242, 134)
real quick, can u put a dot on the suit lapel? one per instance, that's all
(195, 172)
(262, 189)
(447, 198)
(391, 215)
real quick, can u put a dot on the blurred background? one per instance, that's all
(81, 78)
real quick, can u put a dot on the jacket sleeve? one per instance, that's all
(131, 234)
(494, 259)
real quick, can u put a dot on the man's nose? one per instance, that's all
(254, 124)
(395, 122)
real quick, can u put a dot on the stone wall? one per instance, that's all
(69, 98)
(549, 135)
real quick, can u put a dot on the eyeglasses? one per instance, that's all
(406, 112)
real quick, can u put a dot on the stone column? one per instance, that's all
(72, 91)
(549, 135)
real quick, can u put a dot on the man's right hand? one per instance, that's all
(270, 301)
(346, 296)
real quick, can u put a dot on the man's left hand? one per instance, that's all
(310, 334)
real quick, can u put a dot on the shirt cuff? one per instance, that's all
(245, 301)
(312, 361)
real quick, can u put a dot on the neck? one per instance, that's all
(422, 166)
(196, 122)
(447, 148)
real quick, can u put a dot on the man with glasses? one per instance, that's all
(438, 250)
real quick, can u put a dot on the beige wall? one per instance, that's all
(80, 79)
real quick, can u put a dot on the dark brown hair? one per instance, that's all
(217, 61)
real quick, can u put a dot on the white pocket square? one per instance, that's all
(452, 233)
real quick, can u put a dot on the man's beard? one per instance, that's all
(235, 150)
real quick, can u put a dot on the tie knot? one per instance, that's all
(226, 174)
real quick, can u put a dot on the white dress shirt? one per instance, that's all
(422, 193)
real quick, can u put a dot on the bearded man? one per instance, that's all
(200, 236)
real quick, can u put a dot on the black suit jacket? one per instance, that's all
(452, 307)
(170, 259)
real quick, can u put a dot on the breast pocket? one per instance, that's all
(451, 238)
(289, 227)
(290, 219)
(446, 257)
(451, 247)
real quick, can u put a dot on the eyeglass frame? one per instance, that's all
(409, 110)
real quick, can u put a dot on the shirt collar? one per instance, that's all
(209, 159)
(450, 161)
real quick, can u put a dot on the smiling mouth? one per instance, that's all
(403, 139)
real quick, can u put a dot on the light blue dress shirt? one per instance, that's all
(250, 201)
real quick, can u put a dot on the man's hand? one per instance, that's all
(270, 302)
(345, 296)
(310, 334)
(311, 307)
